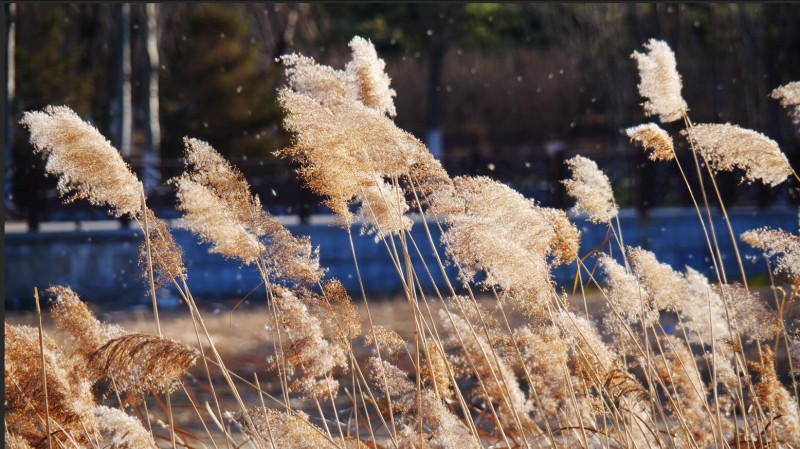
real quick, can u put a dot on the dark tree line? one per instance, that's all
(504, 89)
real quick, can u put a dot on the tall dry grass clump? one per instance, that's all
(505, 358)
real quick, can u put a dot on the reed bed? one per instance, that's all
(502, 356)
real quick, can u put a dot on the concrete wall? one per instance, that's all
(102, 265)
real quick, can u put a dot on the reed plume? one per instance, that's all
(651, 137)
(778, 244)
(372, 82)
(665, 286)
(122, 430)
(165, 254)
(591, 189)
(784, 422)
(309, 354)
(444, 429)
(727, 146)
(142, 363)
(686, 388)
(218, 206)
(16, 442)
(276, 429)
(76, 152)
(383, 208)
(320, 82)
(70, 398)
(789, 96)
(660, 83)
(390, 344)
(73, 316)
(626, 294)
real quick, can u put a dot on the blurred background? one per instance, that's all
(504, 90)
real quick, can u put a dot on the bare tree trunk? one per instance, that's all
(121, 107)
(438, 51)
(10, 94)
(151, 173)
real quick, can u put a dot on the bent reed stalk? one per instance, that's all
(519, 366)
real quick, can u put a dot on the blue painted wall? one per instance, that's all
(102, 265)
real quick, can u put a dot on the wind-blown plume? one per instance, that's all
(651, 136)
(219, 207)
(664, 285)
(275, 429)
(789, 96)
(383, 208)
(591, 189)
(69, 390)
(728, 146)
(87, 165)
(122, 430)
(167, 256)
(773, 396)
(494, 229)
(626, 294)
(446, 430)
(660, 82)
(309, 353)
(367, 69)
(320, 82)
(74, 317)
(775, 242)
(142, 363)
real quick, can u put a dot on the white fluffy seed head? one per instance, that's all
(789, 96)
(366, 69)
(591, 189)
(728, 146)
(87, 165)
(651, 137)
(660, 81)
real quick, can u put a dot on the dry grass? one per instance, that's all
(657, 358)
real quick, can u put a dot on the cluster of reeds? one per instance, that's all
(468, 377)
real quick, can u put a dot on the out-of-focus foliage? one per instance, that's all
(511, 79)
(217, 87)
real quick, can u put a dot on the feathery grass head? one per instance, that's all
(390, 344)
(216, 201)
(142, 363)
(208, 216)
(660, 82)
(625, 293)
(728, 146)
(320, 82)
(651, 136)
(367, 70)
(309, 353)
(666, 287)
(70, 398)
(753, 318)
(776, 399)
(167, 255)
(775, 242)
(122, 430)
(274, 428)
(591, 189)
(493, 229)
(789, 96)
(87, 165)
(383, 208)
(341, 322)
(74, 317)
